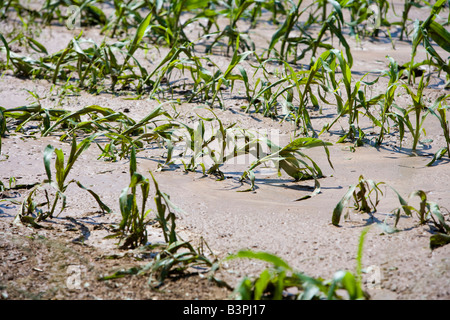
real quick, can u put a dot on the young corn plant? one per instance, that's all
(234, 9)
(394, 74)
(175, 255)
(99, 119)
(424, 32)
(126, 16)
(167, 24)
(132, 229)
(285, 30)
(366, 196)
(403, 120)
(33, 112)
(355, 99)
(32, 212)
(271, 94)
(334, 24)
(89, 13)
(427, 211)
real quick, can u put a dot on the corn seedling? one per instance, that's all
(394, 74)
(24, 114)
(234, 9)
(285, 29)
(355, 98)
(334, 23)
(59, 184)
(427, 211)
(366, 196)
(175, 255)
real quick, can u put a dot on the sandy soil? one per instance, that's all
(37, 263)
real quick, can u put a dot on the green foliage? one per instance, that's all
(132, 229)
(427, 30)
(403, 120)
(440, 111)
(31, 211)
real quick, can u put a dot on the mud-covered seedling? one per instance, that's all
(54, 188)
(366, 196)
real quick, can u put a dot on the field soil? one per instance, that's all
(65, 258)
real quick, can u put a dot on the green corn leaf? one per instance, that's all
(440, 35)
(103, 206)
(138, 36)
(304, 143)
(342, 204)
(437, 156)
(263, 256)
(59, 166)
(77, 114)
(261, 284)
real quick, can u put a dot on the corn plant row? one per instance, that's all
(366, 196)
(292, 92)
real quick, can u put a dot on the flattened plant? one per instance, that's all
(132, 229)
(293, 161)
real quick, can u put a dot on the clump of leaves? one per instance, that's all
(420, 111)
(366, 195)
(427, 30)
